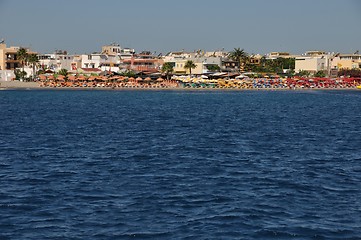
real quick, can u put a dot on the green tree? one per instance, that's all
(167, 68)
(40, 71)
(213, 68)
(19, 74)
(239, 55)
(190, 65)
(63, 72)
(263, 61)
(128, 73)
(33, 60)
(290, 72)
(320, 74)
(22, 56)
(274, 66)
(350, 72)
(304, 73)
(289, 63)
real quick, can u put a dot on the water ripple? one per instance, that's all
(180, 165)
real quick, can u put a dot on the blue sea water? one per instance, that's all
(180, 165)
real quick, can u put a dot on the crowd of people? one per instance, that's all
(193, 83)
(105, 82)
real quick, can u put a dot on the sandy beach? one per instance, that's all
(14, 85)
(18, 85)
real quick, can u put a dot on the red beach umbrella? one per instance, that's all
(42, 77)
(71, 78)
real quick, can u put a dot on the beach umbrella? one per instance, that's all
(71, 78)
(148, 79)
(240, 76)
(81, 78)
(98, 77)
(121, 78)
(60, 78)
(160, 79)
(42, 77)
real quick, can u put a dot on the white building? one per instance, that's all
(116, 49)
(7, 75)
(275, 55)
(93, 60)
(346, 61)
(56, 61)
(202, 64)
(112, 49)
(313, 61)
(108, 60)
(101, 61)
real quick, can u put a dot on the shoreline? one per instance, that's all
(17, 85)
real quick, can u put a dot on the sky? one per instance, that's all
(161, 26)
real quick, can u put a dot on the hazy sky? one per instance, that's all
(258, 26)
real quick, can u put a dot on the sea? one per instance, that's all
(180, 164)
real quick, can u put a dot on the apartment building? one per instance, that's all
(346, 61)
(203, 65)
(143, 62)
(56, 61)
(313, 61)
(8, 57)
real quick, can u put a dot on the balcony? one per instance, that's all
(12, 61)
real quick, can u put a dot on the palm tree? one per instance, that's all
(22, 55)
(263, 61)
(33, 60)
(239, 55)
(63, 72)
(190, 65)
(167, 68)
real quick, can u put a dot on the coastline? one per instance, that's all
(8, 85)
(18, 85)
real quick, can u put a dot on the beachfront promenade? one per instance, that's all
(120, 82)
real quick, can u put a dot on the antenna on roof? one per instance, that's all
(357, 52)
(2, 41)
